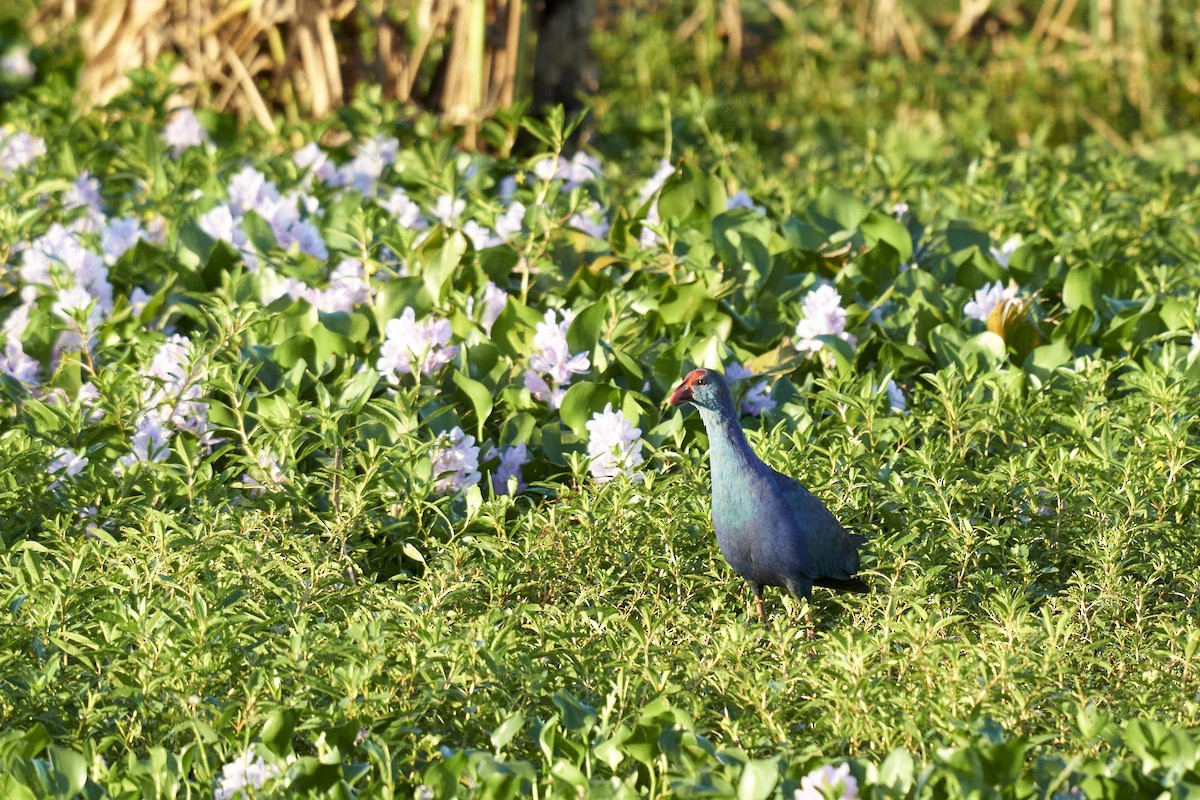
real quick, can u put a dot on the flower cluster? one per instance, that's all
(552, 364)
(823, 316)
(411, 347)
(828, 782)
(246, 772)
(757, 399)
(455, 462)
(986, 299)
(614, 445)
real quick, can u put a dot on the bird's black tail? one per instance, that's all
(844, 584)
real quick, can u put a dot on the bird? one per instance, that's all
(771, 530)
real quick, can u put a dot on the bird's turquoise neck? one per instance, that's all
(728, 448)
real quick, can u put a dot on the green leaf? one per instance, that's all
(758, 779)
(582, 400)
(439, 256)
(1082, 288)
(482, 400)
(277, 732)
(507, 730)
(885, 228)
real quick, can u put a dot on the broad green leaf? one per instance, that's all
(481, 399)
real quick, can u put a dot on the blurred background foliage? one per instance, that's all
(923, 76)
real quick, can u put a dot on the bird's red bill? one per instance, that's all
(683, 392)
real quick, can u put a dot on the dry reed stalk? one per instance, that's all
(260, 57)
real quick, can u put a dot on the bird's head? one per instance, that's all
(704, 388)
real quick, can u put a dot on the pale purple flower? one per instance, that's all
(743, 200)
(542, 391)
(17, 64)
(313, 161)
(447, 210)
(552, 358)
(182, 131)
(347, 288)
(406, 211)
(828, 781)
(614, 445)
(481, 237)
(656, 181)
(512, 221)
(18, 150)
(1194, 353)
(19, 366)
(151, 440)
(494, 300)
(138, 298)
(1004, 253)
(823, 316)
(249, 190)
(246, 772)
(511, 461)
(76, 305)
(455, 462)
(371, 158)
(507, 187)
(980, 307)
(219, 223)
(591, 221)
(896, 400)
(899, 210)
(174, 393)
(410, 346)
(268, 475)
(580, 169)
(552, 354)
(118, 236)
(68, 462)
(84, 192)
(757, 399)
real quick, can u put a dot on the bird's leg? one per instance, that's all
(757, 589)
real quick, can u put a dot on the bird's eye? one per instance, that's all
(701, 382)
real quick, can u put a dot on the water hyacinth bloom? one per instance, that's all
(986, 299)
(412, 347)
(899, 210)
(17, 64)
(511, 460)
(823, 316)
(757, 399)
(174, 392)
(118, 236)
(552, 364)
(315, 164)
(270, 474)
(19, 366)
(183, 130)
(896, 400)
(494, 301)
(614, 445)
(371, 158)
(590, 220)
(828, 781)
(575, 172)
(19, 150)
(84, 192)
(406, 211)
(247, 771)
(455, 462)
(68, 462)
(512, 221)
(448, 209)
(1004, 253)
(151, 441)
(743, 200)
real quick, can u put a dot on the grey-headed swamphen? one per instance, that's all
(771, 530)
